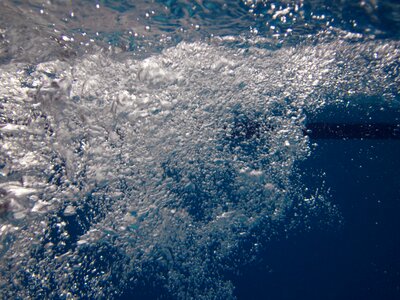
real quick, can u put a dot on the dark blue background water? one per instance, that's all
(358, 260)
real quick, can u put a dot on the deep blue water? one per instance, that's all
(360, 258)
(357, 255)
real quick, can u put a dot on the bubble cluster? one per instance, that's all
(118, 172)
(122, 172)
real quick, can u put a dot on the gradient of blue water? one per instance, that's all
(358, 260)
(355, 259)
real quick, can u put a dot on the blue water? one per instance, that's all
(163, 149)
(353, 256)
(357, 259)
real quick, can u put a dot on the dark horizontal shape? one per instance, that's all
(352, 131)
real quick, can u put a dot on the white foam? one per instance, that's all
(196, 144)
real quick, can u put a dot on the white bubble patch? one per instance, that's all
(118, 171)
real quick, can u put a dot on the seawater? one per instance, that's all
(159, 149)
